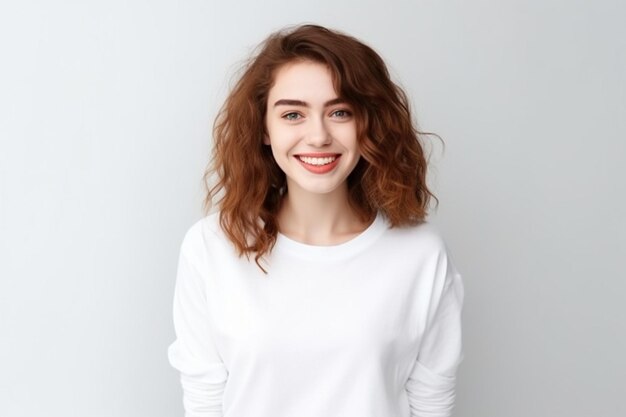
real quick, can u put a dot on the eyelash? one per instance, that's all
(287, 115)
(346, 113)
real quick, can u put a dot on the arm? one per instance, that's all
(431, 384)
(203, 375)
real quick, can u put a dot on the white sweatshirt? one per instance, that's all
(367, 328)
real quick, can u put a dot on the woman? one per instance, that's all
(318, 289)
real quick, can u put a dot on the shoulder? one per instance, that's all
(424, 237)
(201, 235)
(424, 248)
(208, 224)
(207, 246)
(420, 244)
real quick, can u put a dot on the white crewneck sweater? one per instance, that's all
(367, 328)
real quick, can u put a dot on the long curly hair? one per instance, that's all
(247, 184)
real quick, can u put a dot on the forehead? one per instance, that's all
(303, 80)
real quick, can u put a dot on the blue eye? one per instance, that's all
(292, 116)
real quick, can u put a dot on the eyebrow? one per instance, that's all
(288, 102)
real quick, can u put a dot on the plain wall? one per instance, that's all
(105, 117)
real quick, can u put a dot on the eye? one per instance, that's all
(342, 114)
(292, 116)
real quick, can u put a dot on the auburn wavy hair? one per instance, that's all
(247, 184)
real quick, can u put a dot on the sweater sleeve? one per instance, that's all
(431, 384)
(203, 375)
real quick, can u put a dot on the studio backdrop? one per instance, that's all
(105, 129)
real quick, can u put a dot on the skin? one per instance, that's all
(305, 115)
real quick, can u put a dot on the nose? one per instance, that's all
(318, 134)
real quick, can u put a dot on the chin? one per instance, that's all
(321, 189)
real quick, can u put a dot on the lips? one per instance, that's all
(318, 163)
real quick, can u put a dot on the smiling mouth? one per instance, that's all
(318, 159)
(319, 163)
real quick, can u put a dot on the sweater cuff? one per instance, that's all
(202, 399)
(430, 394)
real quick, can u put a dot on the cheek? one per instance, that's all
(347, 134)
(283, 137)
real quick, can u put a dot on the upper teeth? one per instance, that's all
(317, 161)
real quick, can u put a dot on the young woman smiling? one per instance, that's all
(317, 288)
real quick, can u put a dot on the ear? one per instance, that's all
(266, 139)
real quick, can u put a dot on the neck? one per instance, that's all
(319, 219)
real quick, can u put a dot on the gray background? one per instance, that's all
(105, 115)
